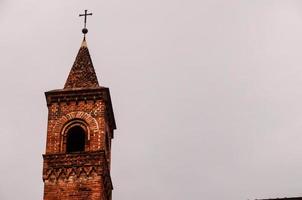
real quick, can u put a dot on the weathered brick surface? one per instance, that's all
(76, 176)
(79, 175)
(90, 113)
(75, 188)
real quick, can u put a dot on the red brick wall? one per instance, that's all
(92, 113)
(75, 188)
(77, 176)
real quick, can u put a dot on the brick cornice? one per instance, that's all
(72, 159)
(60, 96)
(77, 95)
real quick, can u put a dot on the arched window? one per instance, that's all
(75, 139)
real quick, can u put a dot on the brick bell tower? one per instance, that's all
(80, 128)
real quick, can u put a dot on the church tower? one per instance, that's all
(80, 128)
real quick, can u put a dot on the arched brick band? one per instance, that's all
(58, 128)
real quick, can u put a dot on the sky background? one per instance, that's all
(207, 94)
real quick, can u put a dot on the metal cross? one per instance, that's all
(85, 15)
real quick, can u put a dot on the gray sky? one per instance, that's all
(207, 94)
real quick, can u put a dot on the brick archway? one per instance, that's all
(63, 122)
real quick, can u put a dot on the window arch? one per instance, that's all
(75, 139)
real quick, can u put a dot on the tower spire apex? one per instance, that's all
(85, 30)
(82, 73)
(84, 43)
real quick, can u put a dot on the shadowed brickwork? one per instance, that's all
(83, 108)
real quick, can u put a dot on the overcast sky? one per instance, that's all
(207, 94)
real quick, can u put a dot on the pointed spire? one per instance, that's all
(82, 74)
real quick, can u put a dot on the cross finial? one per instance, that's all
(85, 30)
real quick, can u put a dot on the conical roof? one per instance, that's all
(82, 74)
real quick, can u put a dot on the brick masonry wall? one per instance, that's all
(90, 188)
(79, 176)
(92, 113)
(71, 179)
